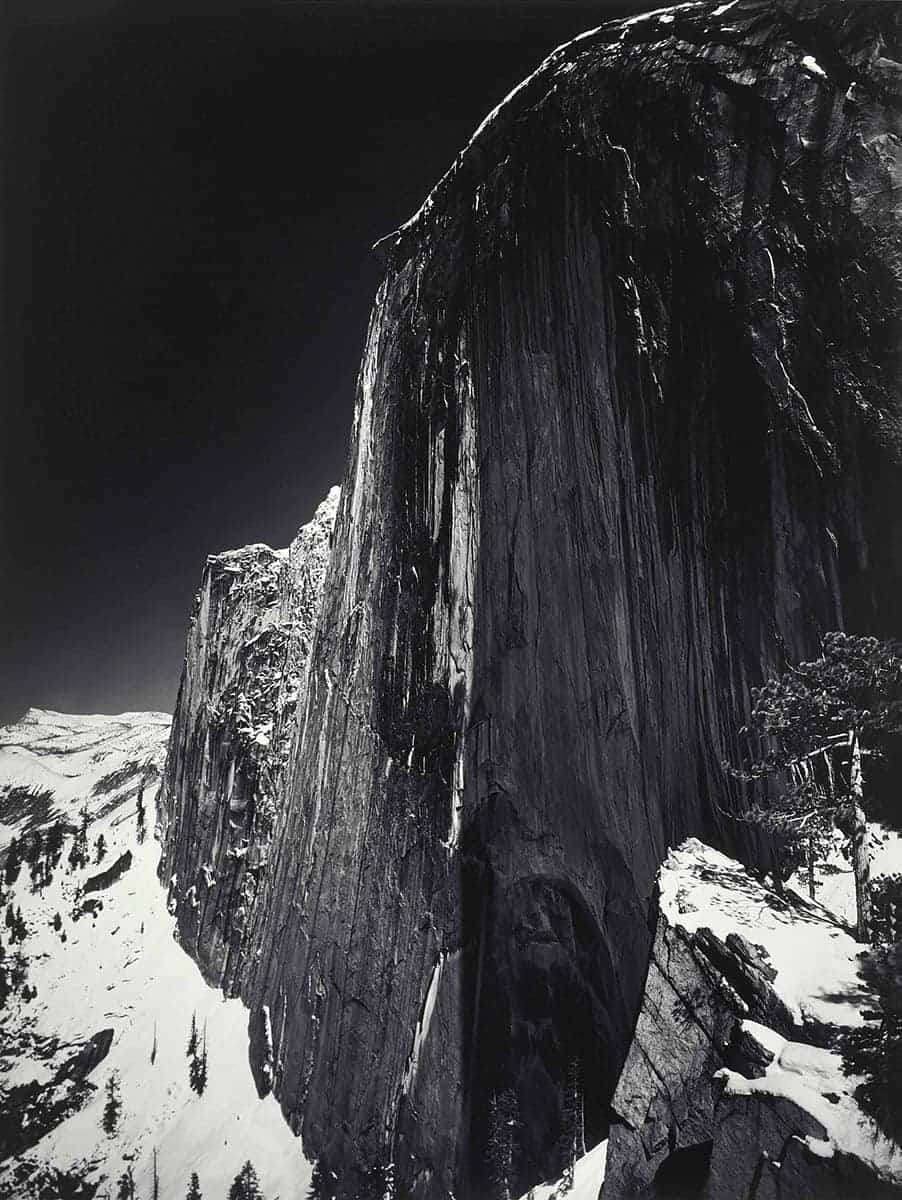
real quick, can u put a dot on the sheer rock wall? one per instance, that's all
(235, 719)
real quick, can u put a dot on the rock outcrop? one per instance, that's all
(626, 440)
(243, 680)
(104, 879)
(731, 1090)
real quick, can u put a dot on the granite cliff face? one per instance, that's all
(626, 434)
(243, 681)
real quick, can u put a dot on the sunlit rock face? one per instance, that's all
(624, 443)
(244, 678)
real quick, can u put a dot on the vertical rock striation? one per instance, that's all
(625, 441)
(243, 680)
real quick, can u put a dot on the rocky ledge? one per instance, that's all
(734, 1087)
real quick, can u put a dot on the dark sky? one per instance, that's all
(190, 193)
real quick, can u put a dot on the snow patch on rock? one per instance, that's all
(815, 959)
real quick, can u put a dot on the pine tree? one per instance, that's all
(194, 1192)
(574, 1125)
(156, 1177)
(502, 1138)
(37, 867)
(153, 1049)
(53, 847)
(322, 1187)
(19, 970)
(35, 849)
(126, 1186)
(142, 828)
(100, 848)
(818, 721)
(78, 855)
(13, 863)
(246, 1185)
(113, 1106)
(378, 1184)
(197, 1073)
(872, 1052)
(192, 1040)
(57, 922)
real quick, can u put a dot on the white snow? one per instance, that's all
(662, 15)
(70, 753)
(815, 959)
(813, 1079)
(768, 1038)
(834, 884)
(124, 971)
(588, 1176)
(811, 64)
(886, 851)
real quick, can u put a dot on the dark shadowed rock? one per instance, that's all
(105, 879)
(88, 1057)
(260, 1050)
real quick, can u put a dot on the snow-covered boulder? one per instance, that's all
(734, 1088)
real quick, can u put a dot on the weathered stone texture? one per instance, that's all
(235, 719)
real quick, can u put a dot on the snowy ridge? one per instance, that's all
(110, 970)
(74, 757)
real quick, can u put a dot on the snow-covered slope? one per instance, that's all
(112, 972)
(75, 758)
(588, 1176)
